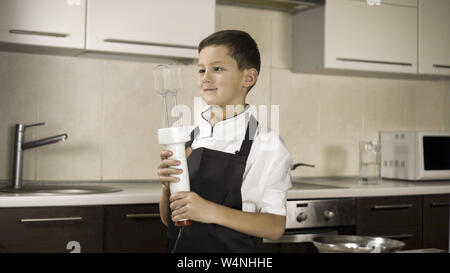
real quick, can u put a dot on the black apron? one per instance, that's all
(215, 176)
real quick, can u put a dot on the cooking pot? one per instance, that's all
(355, 244)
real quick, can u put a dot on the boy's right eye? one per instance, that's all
(201, 71)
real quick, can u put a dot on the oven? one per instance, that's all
(308, 218)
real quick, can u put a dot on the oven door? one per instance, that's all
(299, 241)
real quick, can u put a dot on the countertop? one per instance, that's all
(149, 191)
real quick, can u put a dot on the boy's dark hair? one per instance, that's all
(241, 47)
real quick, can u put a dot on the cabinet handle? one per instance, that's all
(372, 61)
(41, 33)
(441, 66)
(119, 41)
(60, 219)
(142, 215)
(440, 204)
(384, 207)
(399, 236)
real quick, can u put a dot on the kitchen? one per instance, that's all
(104, 99)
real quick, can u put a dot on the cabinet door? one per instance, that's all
(154, 27)
(53, 23)
(434, 37)
(436, 221)
(134, 228)
(359, 36)
(397, 217)
(52, 229)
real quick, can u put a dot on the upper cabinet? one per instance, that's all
(151, 27)
(47, 23)
(354, 35)
(434, 37)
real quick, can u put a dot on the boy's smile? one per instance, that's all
(220, 81)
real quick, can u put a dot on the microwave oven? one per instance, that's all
(415, 155)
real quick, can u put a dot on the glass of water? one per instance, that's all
(369, 162)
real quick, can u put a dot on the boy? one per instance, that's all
(238, 186)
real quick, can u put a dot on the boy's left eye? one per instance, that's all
(218, 68)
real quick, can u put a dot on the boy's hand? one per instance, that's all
(165, 169)
(189, 205)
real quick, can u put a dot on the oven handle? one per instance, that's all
(298, 238)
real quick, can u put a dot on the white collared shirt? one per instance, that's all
(266, 177)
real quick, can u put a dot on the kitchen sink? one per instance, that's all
(308, 186)
(59, 189)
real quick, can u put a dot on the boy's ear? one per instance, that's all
(251, 75)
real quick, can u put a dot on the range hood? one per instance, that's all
(292, 6)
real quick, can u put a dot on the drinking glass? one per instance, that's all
(369, 162)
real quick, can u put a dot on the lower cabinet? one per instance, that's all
(436, 221)
(395, 217)
(419, 221)
(124, 228)
(51, 229)
(134, 228)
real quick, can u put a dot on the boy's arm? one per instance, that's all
(264, 225)
(193, 207)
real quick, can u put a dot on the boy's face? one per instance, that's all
(220, 81)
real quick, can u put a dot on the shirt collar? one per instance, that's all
(229, 129)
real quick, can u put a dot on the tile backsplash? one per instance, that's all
(111, 112)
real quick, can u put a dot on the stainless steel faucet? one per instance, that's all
(20, 147)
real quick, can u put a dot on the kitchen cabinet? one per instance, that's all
(434, 37)
(45, 23)
(134, 228)
(351, 35)
(51, 229)
(436, 221)
(150, 27)
(397, 217)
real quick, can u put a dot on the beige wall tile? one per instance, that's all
(340, 125)
(298, 102)
(388, 104)
(304, 148)
(70, 101)
(19, 79)
(281, 39)
(254, 21)
(132, 115)
(340, 104)
(428, 105)
(339, 154)
(447, 104)
(259, 97)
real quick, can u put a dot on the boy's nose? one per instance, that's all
(206, 77)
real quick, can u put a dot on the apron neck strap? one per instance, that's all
(246, 143)
(249, 136)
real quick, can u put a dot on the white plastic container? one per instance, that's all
(174, 139)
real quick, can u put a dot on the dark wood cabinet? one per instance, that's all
(134, 228)
(436, 221)
(122, 228)
(51, 229)
(419, 221)
(396, 217)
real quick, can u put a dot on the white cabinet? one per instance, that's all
(48, 23)
(351, 35)
(434, 37)
(150, 27)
